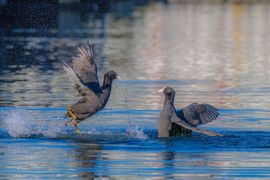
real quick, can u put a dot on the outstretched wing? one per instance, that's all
(197, 114)
(177, 120)
(83, 70)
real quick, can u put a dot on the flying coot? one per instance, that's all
(83, 71)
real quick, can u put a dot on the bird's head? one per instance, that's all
(168, 92)
(109, 77)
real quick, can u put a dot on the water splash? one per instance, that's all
(132, 132)
(24, 123)
(33, 123)
(136, 132)
(18, 124)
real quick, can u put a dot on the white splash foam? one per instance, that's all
(23, 123)
(26, 123)
(17, 124)
(113, 134)
(136, 132)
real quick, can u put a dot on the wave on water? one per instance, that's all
(120, 134)
(31, 123)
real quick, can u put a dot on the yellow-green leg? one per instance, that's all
(73, 121)
(77, 129)
(71, 114)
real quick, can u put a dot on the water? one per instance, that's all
(215, 53)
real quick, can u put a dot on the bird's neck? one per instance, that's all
(106, 91)
(106, 82)
(168, 103)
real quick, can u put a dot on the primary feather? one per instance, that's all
(83, 70)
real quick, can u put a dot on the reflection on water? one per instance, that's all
(208, 52)
(85, 155)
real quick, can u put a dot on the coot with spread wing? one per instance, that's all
(83, 71)
(173, 123)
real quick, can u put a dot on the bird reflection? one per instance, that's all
(86, 155)
(168, 158)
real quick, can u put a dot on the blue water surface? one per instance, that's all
(209, 52)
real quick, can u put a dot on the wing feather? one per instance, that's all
(197, 114)
(180, 122)
(83, 70)
(72, 75)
